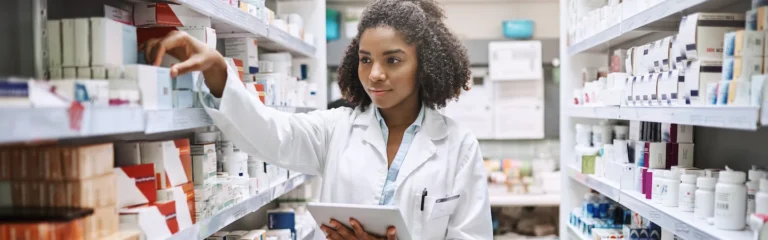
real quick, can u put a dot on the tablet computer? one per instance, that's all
(374, 218)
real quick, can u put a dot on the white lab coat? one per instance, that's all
(346, 148)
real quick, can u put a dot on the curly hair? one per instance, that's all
(443, 64)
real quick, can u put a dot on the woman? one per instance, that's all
(392, 147)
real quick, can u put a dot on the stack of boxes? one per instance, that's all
(62, 177)
(756, 28)
(169, 205)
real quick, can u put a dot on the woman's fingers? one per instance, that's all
(391, 233)
(343, 231)
(194, 63)
(147, 48)
(173, 40)
(331, 233)
(359, 232)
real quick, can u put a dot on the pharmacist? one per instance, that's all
(393, 148)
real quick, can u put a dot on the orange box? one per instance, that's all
(170, 170)
(5, 164)
(185, 154)
(83, 162)
(91, 193)
(50, 162)
(102, 223)
(143, 178)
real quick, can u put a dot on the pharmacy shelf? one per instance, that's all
(682, 224)
(577, 233)
(232, 22)
(601, 185)
(664, 16)
(523, 200)
(209, 226)
(742, 118)
(308, 235)
(40, 124)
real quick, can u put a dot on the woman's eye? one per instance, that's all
(365, 60)
(393, 60)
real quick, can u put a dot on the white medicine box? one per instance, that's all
(112, 43)
(744, 43)
(698, 74)
(741, 68)
(702, 34)
(245, 49)
(154, 85)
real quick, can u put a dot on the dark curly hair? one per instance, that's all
(443, 64)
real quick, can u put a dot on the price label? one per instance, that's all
(654, 215)
(682, 229)
(240, 212)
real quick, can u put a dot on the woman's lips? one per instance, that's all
(379, 92)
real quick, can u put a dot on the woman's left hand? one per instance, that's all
(338, 231)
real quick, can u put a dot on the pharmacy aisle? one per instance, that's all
(662, 114)
(98, 144)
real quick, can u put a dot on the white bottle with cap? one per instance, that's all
(658, 182)
(731, 200)
(704, 205)
(671, 188)
(753, 185)
(761, 198)
(687, 195)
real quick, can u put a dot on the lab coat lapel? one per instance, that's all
(423, 146)
(373, 131)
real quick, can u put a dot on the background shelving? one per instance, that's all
(743, 118)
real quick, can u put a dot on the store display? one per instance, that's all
(730, 200)
(687, 193)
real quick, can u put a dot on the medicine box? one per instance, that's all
(84, 73)
(95, 92)
(204, 34)
(654, 88)
(183, 99)
(184, 203)
(54, 43)
(699, 73)
(676, 133)
(203, 163)
(741, 68)
(738, 93)
(113, 43)
(702, 33)
(628, 99)
(102, 223)
(135, 185)
(154, 84)
(55, 73)
(744, 43)
(655, 155)
(668, 88)
(164, 14)
(99, 73)
(679, 154)
(171, 167)
(245, 49)
(761, 18)
(156, 220)
(721, 97)
(82, 42)
(68, 43)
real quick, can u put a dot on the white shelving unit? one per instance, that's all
(742, 118)
(638, 28)
(205, 228)
(525, 200)
(36, 124)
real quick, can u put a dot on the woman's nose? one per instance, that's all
(377, 73)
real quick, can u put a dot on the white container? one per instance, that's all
(687, 195)
(761, 198)
(601, 134)
(731, 200)
(621, 132)
(704, 205)
(236, 164)
(583, 135)
(658, 183)
(671, 188)
(753, 185)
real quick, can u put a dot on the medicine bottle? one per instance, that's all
(671, 188)
(731, 200)
(657, 185)
(687, 194)
(761, 198)
(704, 205)
(753, 185)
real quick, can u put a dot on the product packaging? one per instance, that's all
(204, 34)
(99, 73)
(742, 68)
(183, 99)
(54, 43)
(84, 73)
(761, 18)
(687, 194)
(55, 73)
(730, 200)
(172, 167)
(283, 218)
(676, 133)
(97, 191)
(245, 49)
(164, 14)
(157, 220)
(744, 43)
(82, 42)
(758, 91)
(184, 199)
(704, 206)
(112, 43)
(679, 154)
(135, 185)
(95, 92)
(88, 161)
(103, 222)
(738, 93)
(702, 33)
(154, 84)
(761, 198)
(68, 43)
(203, 163)
(753, 185)
(698, 74)
(127, 153)
(44, 223)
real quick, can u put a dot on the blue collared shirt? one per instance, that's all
(388, 194)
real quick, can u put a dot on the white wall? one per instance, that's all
(481, 19)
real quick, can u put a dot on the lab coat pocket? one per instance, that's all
(436, 215)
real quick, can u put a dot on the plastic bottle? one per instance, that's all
(704, 205)
(583, 135)
(658, 185)
(752, 186)
(731, 200)
(761, 198)
(671, 188)
(591, 207)
(687, 194)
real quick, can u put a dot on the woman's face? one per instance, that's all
(388, 67)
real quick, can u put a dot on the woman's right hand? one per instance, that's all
(194, 56)
(337, 231)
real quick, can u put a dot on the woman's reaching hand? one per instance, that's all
(338, 231)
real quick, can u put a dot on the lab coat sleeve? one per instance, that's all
(297, 142)
(472, 217)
